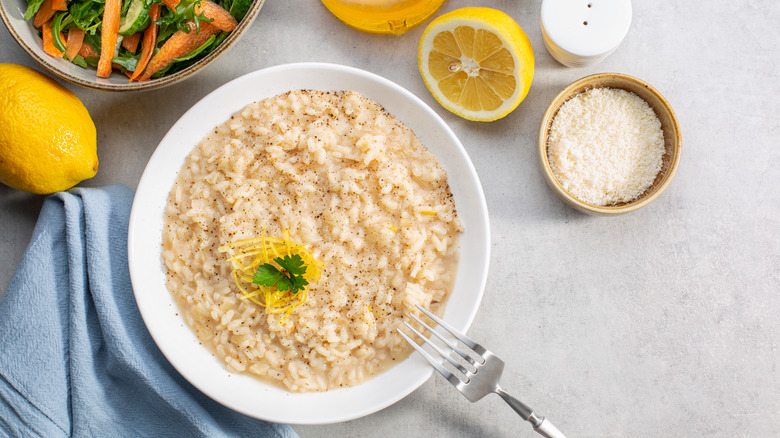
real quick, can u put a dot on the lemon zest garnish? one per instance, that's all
(428, 212)
(247, 254)
(392, 228)
(287, 240)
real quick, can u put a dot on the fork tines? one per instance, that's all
(473, 345)
(484, 377)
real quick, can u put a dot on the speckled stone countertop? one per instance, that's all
(661, 322)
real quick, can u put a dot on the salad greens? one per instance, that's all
(87, 15)
(60, 16)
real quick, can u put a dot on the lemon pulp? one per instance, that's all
(477, 62)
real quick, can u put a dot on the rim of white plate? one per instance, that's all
(248, 394)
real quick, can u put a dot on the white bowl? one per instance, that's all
(245, 393)
(12, 14)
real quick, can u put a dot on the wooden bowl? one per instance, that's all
(669, 125)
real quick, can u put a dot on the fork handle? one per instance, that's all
(542, 426)
(516, 405)
(547, 429)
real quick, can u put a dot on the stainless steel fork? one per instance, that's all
(480, 381)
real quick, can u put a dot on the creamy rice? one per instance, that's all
(355, 186)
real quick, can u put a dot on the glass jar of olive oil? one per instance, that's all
(383, 16)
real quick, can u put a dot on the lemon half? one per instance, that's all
(477, 62)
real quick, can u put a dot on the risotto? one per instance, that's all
(351, 183)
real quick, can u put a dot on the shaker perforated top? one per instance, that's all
(578, 33)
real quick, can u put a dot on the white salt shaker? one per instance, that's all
(579, 33)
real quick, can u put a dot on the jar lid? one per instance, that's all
(583, 32)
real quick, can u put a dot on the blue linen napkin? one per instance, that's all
(75, 356)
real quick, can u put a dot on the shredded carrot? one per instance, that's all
(131, 42)
(75, 41)
(59, 5)
(44, 14)
(171, 4)
(149, 41)
(109, 31)
(48, 42)
(179, 44)
(246, 255)
(87, 51)
(222, 18)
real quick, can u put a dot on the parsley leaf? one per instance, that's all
(268, 275)
(289, 278)
(292, 264)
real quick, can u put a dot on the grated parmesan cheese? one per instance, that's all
(605, 146)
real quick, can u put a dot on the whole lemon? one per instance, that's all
(47, 138)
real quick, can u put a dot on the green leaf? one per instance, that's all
(285, 283)
(93, 41)
(239, 8)
(267, 275)
(299, 283)
(87, 15)
(56, 27)
(221, 37)
(292, 264)
(92, 61)
(225, 4)
(125, 7)
(171, 21)
(127, 60)
(80, 61)
(32, 8)
(291, 278)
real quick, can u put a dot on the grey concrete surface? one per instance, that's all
(662, 322)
